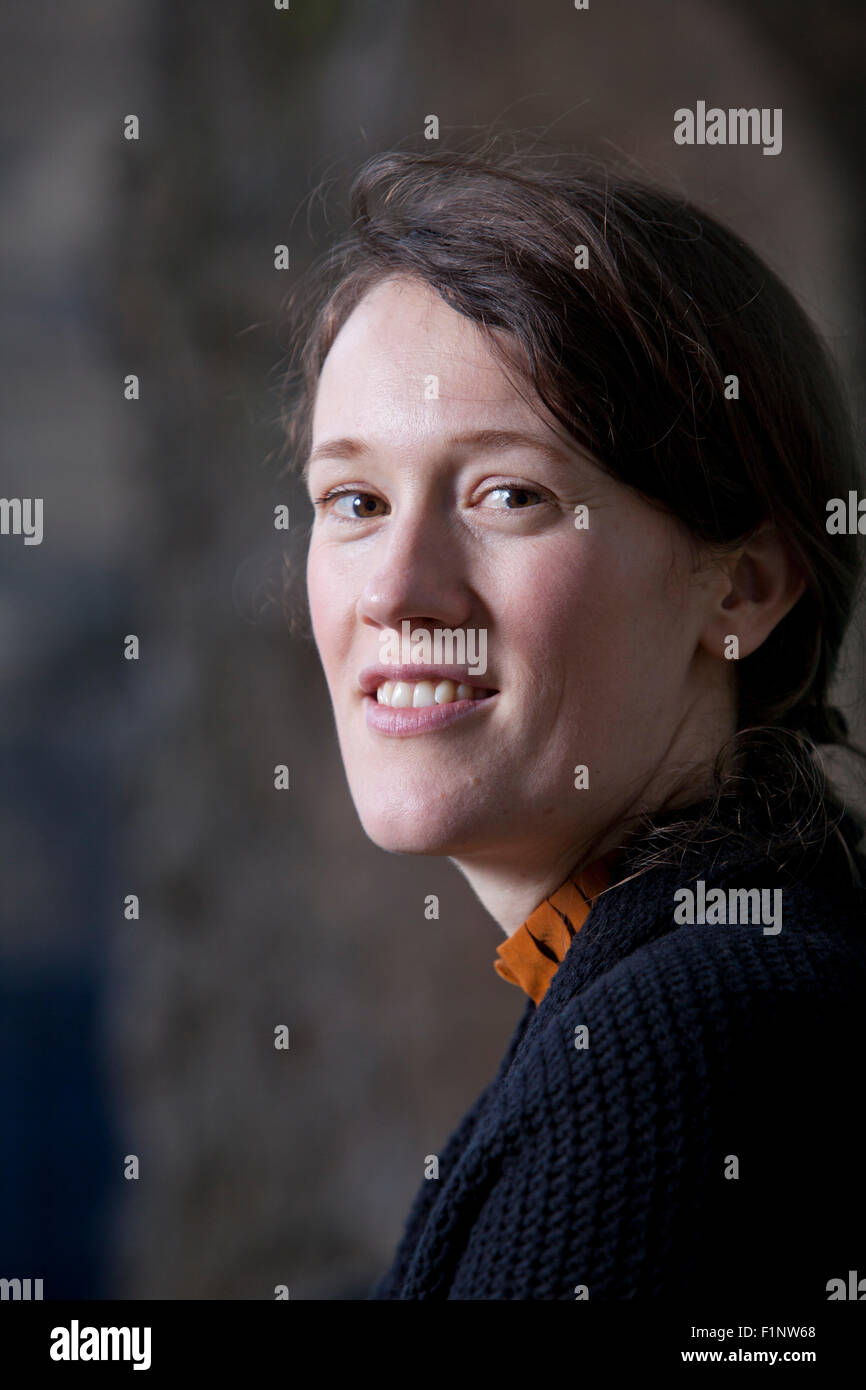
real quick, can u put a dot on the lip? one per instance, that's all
(405, 723)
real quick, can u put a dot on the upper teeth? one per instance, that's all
(415, 694)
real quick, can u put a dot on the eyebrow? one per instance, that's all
(485, 441)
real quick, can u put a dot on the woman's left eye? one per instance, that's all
(520, 496)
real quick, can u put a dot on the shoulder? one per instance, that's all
(677, 1113)
(692, 1093)
(724, 1000)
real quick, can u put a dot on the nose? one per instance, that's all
(417, 573)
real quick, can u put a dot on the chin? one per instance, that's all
(402, 829)
(400, 844)
(405, 839)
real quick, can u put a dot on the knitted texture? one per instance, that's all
(704, 1144)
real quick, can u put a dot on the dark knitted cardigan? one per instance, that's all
(607, 1171)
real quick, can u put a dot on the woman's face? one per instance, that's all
(453, 508)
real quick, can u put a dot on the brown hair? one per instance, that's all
(630, 355)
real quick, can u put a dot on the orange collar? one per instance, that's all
(532, 955)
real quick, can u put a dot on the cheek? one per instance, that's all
(583, 600)
(330, 600)
(599, 621)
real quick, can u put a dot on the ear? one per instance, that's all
(761, 582)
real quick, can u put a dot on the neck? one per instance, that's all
(511, 890)
(514, 878)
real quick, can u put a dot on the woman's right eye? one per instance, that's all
(361, 505)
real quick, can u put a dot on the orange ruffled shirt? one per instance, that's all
(532, 955)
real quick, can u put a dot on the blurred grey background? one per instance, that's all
(155, 1037)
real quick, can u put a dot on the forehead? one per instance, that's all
(404, 360)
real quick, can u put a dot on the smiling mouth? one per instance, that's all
(421, 694)
(407, 719)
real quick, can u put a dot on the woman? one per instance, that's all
(576, 428)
